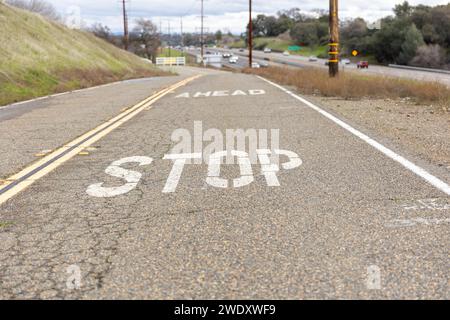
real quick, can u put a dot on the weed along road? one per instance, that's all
(216, 185)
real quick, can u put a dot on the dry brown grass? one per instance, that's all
(353, 86)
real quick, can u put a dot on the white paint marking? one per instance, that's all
(436, 182)
(294, 159)
(183, 95)
(257, 92)
(239, 93)
(65, 93)
(224, 93)
(202, 94)
(402, 223)
(177, 169)
(245, 166)
(131, 177)
(268, 169)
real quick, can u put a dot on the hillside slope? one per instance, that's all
(39, 57)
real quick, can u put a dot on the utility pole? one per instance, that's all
(125, 25)
(169, 37)
(201, 31)
(334, 39)
(181, 29)
(250, 36)
(160, 35)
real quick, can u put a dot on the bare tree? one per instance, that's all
(430, 56)
(38, 6)
(145, 38)
(101, 31)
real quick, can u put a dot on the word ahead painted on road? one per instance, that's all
(268, 170)
(222, 93)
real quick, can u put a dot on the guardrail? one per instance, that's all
(419, 69)
(171, 61)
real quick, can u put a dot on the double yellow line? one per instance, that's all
(22, 180)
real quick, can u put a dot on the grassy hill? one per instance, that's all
(39, 57)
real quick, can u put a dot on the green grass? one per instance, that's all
(40, 57)
(5, 224)
(280, 45)
(170, 53)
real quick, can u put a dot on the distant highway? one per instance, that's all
(301, 61)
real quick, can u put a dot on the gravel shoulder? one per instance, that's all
(419, 130)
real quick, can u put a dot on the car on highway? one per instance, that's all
(312, 59)
(226, 55)
(286, 53)
(267, 50)
(256, 65)
(233, 59)
(264, 64)
(241, 50)
(345, 61)
(363, 65)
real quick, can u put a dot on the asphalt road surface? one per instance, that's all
(301, 61)
(117, 215)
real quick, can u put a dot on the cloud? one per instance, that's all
(221, 14)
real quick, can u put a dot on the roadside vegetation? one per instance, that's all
(281, 45)
(165, 52)
(40, 56)
(412, 35)
(353, 86)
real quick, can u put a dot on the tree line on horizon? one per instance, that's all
(414, 35)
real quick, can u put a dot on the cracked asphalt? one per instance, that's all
(345, 210)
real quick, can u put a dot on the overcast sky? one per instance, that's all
(221, 14)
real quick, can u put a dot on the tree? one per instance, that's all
(305, 33)
(38, 6)
(387, 42)
(145, 38)
(259, 27)
(413, 40)
(403, 10)
(441, 23)
(101, 31)
(431, 56)
(356, 36)
(219, 35)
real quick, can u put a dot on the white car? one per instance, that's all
(345, 61)
(233, 59)
(313, 58)
(226, 55)
(267, 50)
(286, 53)
(264, 64)
(255, 65)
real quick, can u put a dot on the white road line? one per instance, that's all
(436, 182)
(22, 180)
(68, 92)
